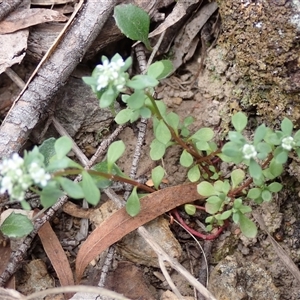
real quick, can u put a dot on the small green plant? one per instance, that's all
(255, 164)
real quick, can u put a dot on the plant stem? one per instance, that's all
(108, 176)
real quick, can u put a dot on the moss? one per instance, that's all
(263, 44)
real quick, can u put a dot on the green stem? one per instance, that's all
(106, 175)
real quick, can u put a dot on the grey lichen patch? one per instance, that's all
(263, 48)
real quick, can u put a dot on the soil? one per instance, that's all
(254, 67)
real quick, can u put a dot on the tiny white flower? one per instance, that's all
(249, 151)
(287, 143)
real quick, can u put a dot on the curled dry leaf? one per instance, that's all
(120, 223)
(25, 18)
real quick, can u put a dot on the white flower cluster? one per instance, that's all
(249, 151)
(110, 73)
(287, 143)
(16, 178)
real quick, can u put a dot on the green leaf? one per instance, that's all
(157, 150)
(136, 100)
(203, 134)
(133, 22)
(245, 209)
(90, 190)
(107, 98)
(145, 112)
(226, 214)
(50, 195)
(160, 69)
(157, 175)
(297, 136)
(254, 193)
(140, 82)
(162, 133)
(236, 137)
(91, 80)
(287, 126)
(237, 176)
(255, 169)
(114, 152)
(123, 116)
(173, 121)
(62, 146)
(186, 159)
(213, 204)
(236, 217)
(206, 189)
(59, 164)
(190, 209)
(16, 226)
(47, 149)
(202, 146)
(275, 168)
(230, 149)
(275, 187)
(248, 227)
(194, 174)
(239, 121)
(264, 149)
(266, 195)
(237, 203)
(133, 205)
(188, 121)
(73, 189)
(281, 157)
(259, 134)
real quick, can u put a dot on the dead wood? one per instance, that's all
(54, 73)
(8, 6)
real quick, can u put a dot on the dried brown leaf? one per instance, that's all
(56, 254)
(120, 223)
(25, 18)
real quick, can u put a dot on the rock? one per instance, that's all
(235, 279)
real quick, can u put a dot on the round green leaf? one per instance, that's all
(133, 205)
(287, 126)
(186, 159)
(133, 22)
(73, 189)
(239, 121)
(190, 209)
(255, 169)
(231, 149)
(248, 227)
(281, 157)
(62, 146)
(173, 120)
(237, 176)
(259, 134)
(107, 98)
(123, 116)
(203, 134)
(266, 195)
(157, 150)
(194, 174)
(206, 189)
(226, 214)
(275, 187)
(162, 133)
(114, 152)
(157, 175)
(136, 100)
(90, 190)
(145, 112)
(213, 204)
(160, 69)
(50, 195)
(140, 82)
(254, 193)
(16, 225)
